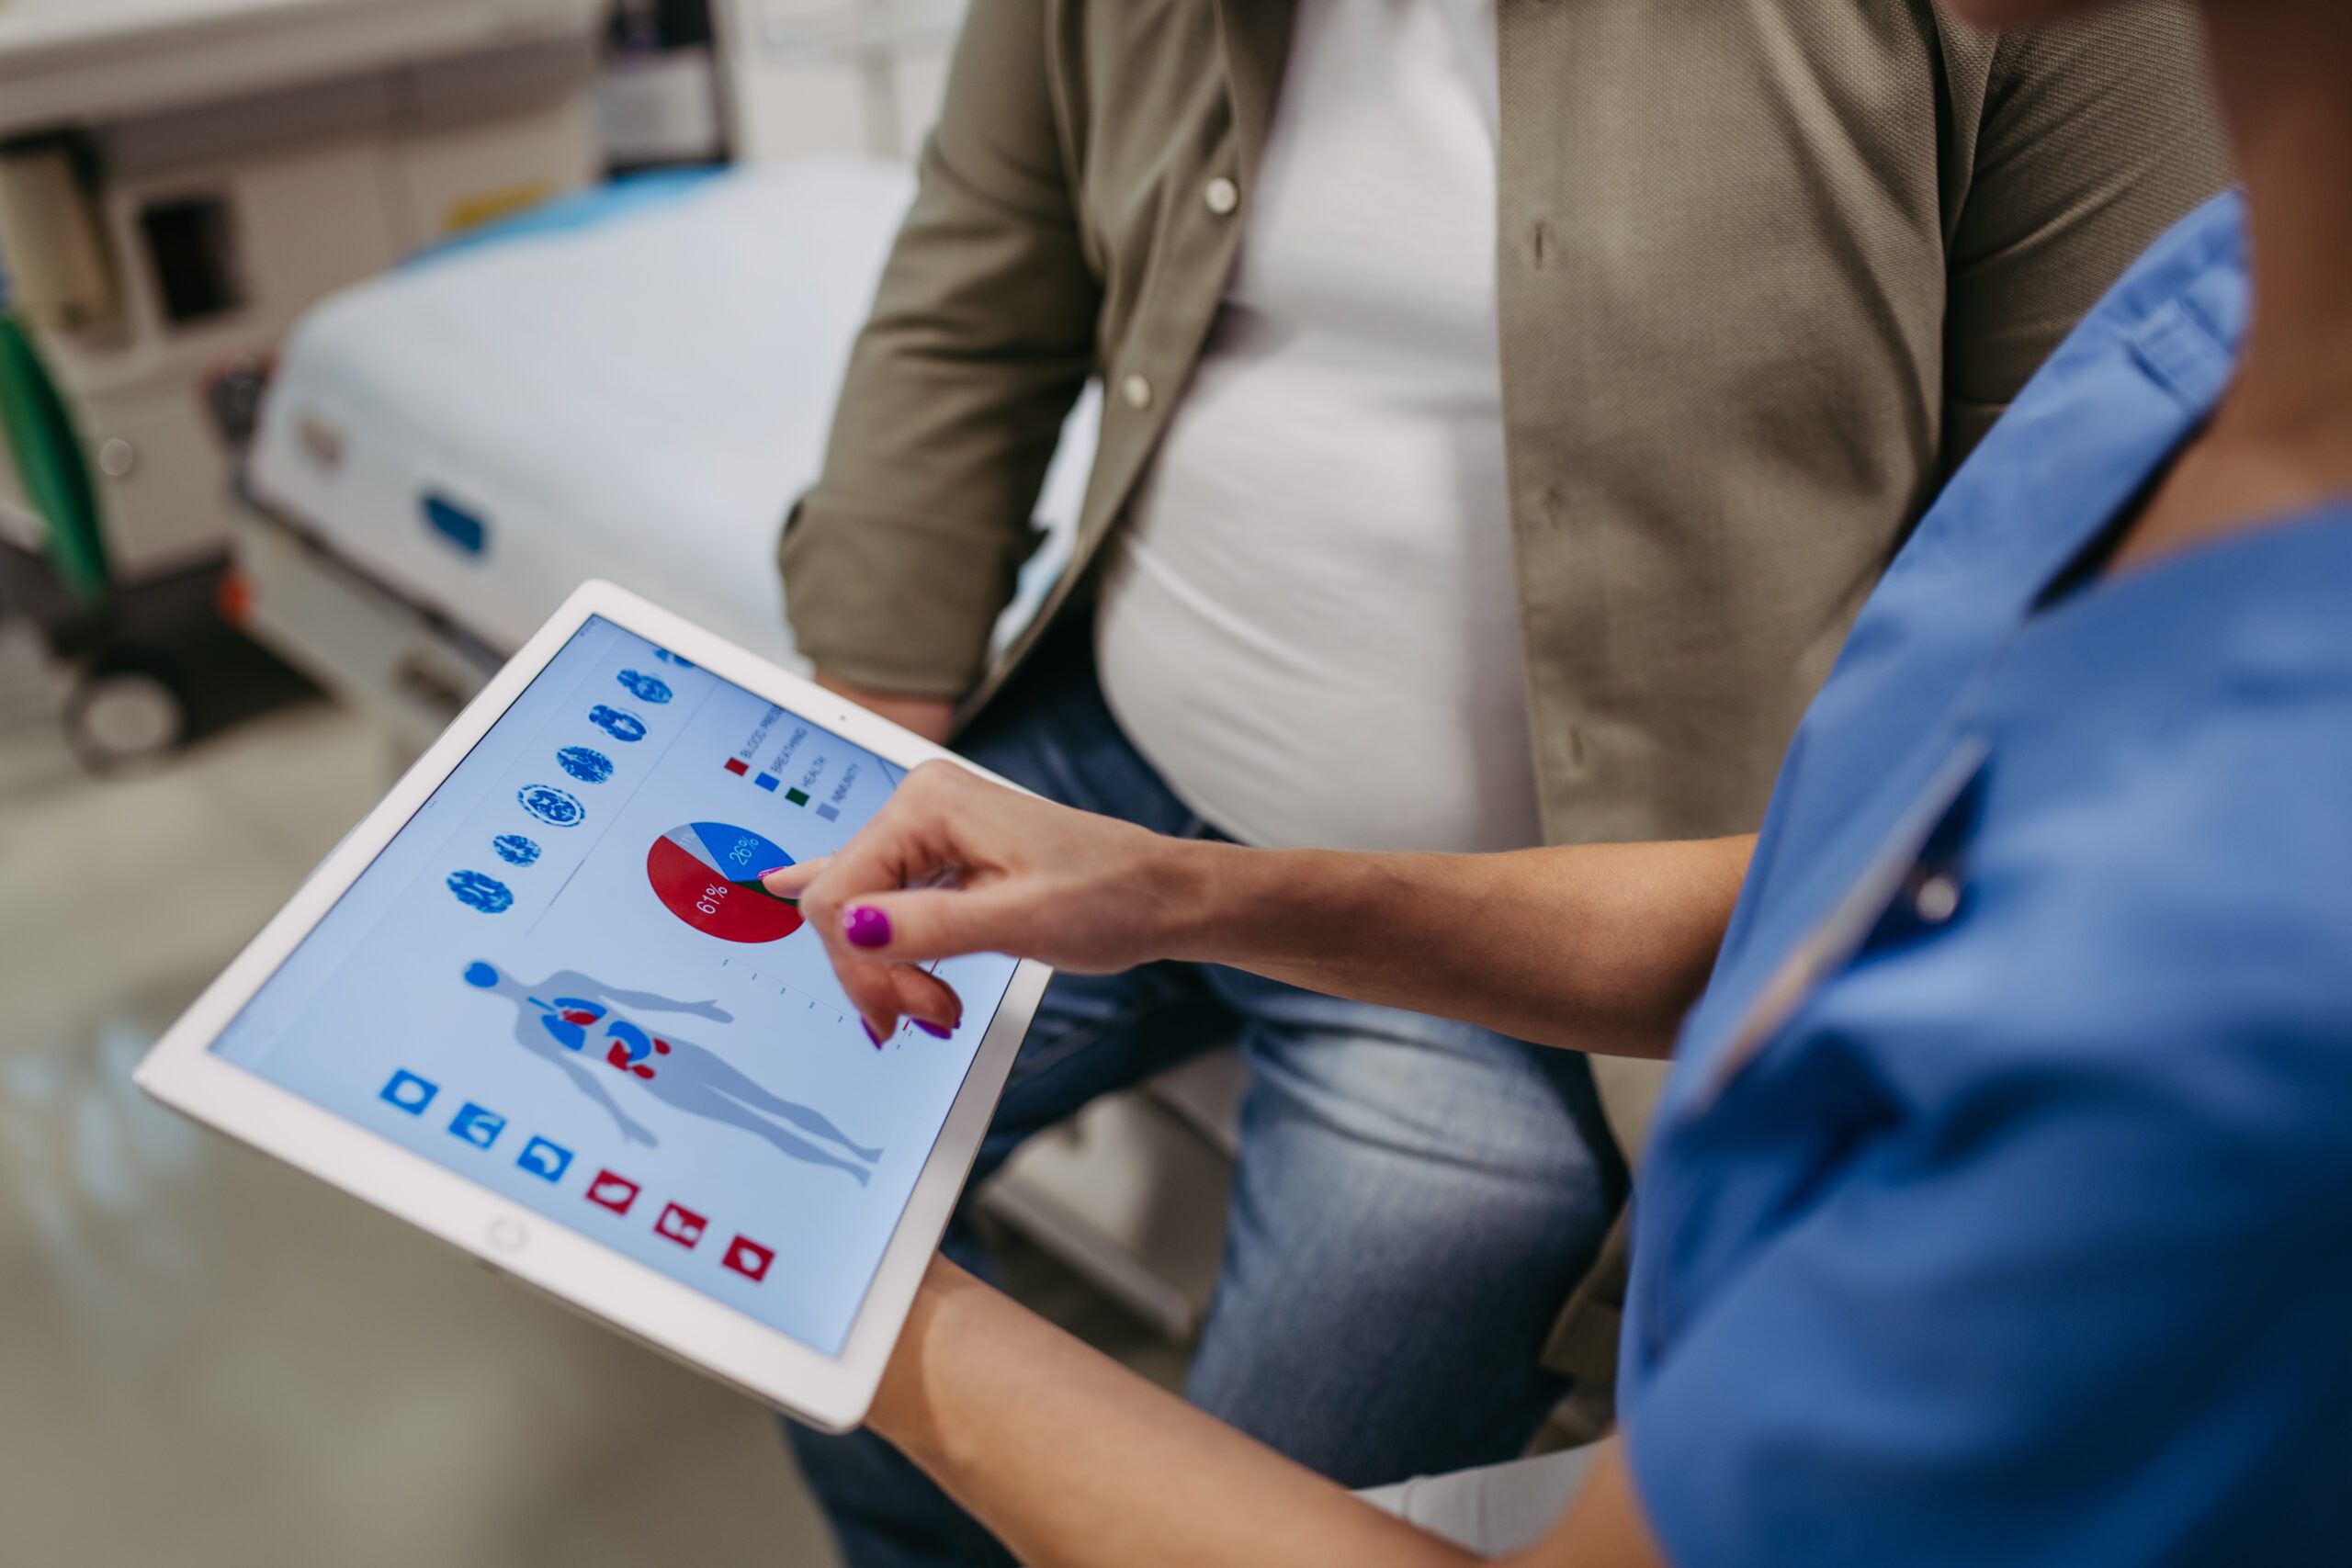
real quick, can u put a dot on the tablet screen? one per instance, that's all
(563, 980)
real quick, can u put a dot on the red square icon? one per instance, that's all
(749, 1258)
(681, 1226)
(737, 766)
(614, 1192)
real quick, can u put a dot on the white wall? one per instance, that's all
(834, 75)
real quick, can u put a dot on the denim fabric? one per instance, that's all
(1415, 1199)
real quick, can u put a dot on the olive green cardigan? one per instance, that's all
(1767, 269)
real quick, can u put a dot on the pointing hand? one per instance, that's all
(955, 864)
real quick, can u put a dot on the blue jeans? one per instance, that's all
(1415, 1198)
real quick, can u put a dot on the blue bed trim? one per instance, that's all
(584, 209)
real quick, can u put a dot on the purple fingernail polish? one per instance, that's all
(870, 1034)
(935, 1030)
(866, 926)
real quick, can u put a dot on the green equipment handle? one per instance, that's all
(39, 429)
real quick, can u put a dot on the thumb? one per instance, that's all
(915, 926)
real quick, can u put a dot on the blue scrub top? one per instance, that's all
(2000, 1208)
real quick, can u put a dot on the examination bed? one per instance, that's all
(634, 384)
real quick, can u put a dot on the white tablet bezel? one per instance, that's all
(830, 1392)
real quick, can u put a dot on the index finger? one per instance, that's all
(898, 848)
(791, 881)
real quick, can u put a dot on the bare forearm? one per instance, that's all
(1598, 947)
(1073, 1461)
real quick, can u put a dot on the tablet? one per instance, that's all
(539, 1004)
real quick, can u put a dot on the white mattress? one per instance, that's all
(640, 399)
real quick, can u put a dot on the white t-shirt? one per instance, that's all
(1310, 624)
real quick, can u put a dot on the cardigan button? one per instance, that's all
(1136, 392)
(1222, 196)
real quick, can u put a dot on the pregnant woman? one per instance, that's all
(1998, 1211)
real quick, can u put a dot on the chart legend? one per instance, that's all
(809, 768)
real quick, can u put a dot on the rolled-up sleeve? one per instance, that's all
(898, 562)
(2097, 137)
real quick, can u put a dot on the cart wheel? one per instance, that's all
(125, 710)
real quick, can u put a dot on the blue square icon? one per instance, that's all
(408, 1091)
(479, 1127)
(545, 1160)
(767, 782)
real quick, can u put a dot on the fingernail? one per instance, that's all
(870, 1033)
(935, 1030)
(866, 926)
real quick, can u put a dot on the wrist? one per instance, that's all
(1198, 888)
(928, 716)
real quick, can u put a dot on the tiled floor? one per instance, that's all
(209, 1360)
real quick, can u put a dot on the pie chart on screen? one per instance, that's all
(707, 874)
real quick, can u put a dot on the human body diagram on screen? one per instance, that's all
(575, 1024)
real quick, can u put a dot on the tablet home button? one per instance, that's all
(508, 1236)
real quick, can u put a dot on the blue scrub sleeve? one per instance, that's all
(2101, 1319)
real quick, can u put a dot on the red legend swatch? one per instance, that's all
(681, 1224)
(749, 1258)
(614, 1192)
(735, 765)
